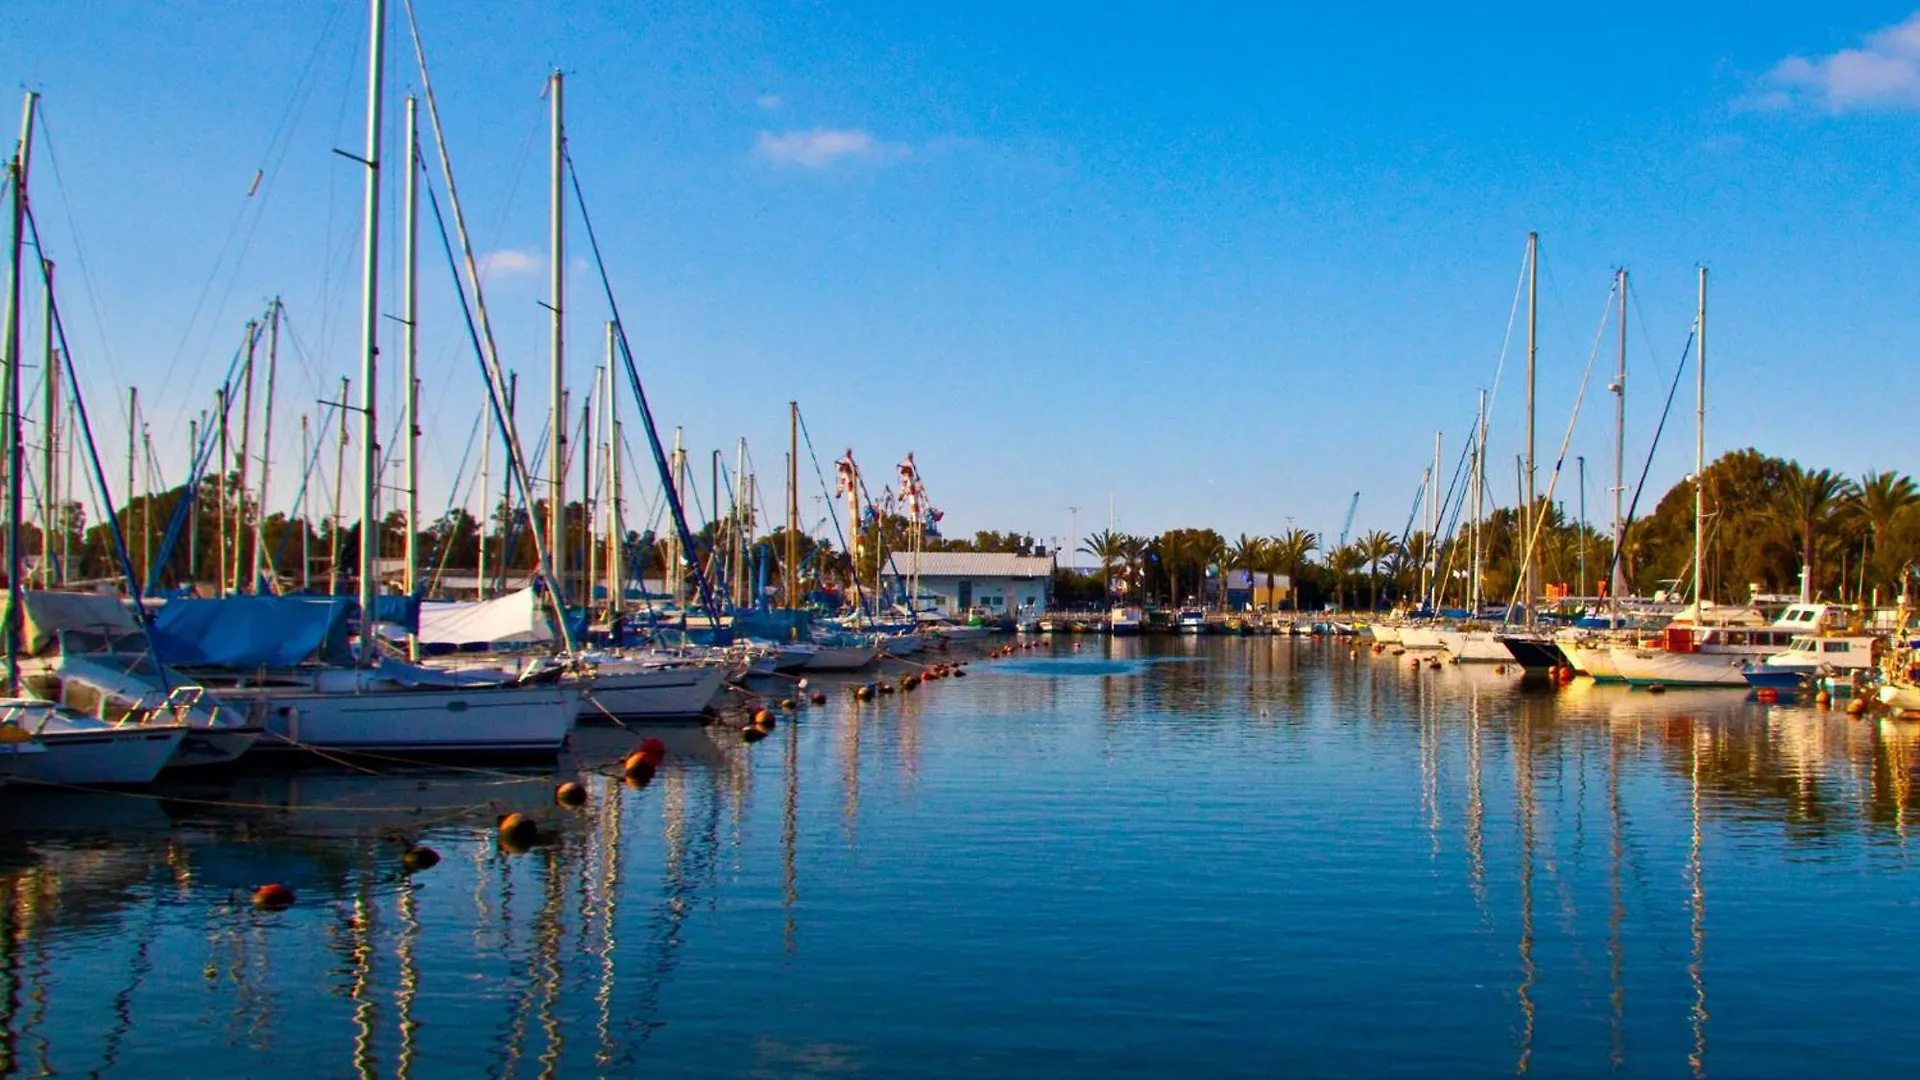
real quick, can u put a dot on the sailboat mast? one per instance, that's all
(49, 437)
(410, 357)
(266, 454)
(370, 329)
(792, 588)
(556, 301)
(15, 613)
(1533, 342)
(616, 538)
(585, 450)
(306, 528)
(1700, 449)
(1479, 498)
(1439, 590)
(240, 529)
(1618, 583)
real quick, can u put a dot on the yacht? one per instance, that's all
(1715, 650)
(85, 751)
(1191, 621)
(1839, 659)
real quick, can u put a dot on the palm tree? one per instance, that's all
(1377, 547)
(1342, 562)
(1171, 549)
(1290, 549)
(1808, 499)
(1105, 545)
(1879, 499)
(1210, 549)
(1133, 556)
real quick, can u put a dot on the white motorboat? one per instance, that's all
(1190, 621)
(1716, 650)
(82, 750)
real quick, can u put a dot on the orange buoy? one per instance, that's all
(570, 794)
(272, 897)
(1856, 706)
(788, 704)
(638, 764)
(1766, 695)
(762, 717)
(518, 831)
(417, 859)
(752, 734)
(1823, 699)
(1566, 675)
(863, 692)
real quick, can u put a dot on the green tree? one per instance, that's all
(1290, 551)
(1376, 547)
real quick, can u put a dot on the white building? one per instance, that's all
(956, 582)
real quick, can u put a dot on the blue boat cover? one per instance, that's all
(253, 631)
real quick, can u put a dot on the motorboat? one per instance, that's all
(1126, 620)
(1190, 621)
(85, 751)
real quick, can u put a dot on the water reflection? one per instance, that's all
(978, 876)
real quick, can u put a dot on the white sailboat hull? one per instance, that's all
(650, 694)
(840, 658)
(1420, 638)
(1475, 647)
(1592, 658)
(484, 720)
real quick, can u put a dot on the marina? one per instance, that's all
(1264, 849)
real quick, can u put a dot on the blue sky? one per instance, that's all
(1226, 265)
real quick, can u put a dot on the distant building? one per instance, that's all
(1257, 590)
(955, 582)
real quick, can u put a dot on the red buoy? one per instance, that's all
(272, 897)
(1766, 695)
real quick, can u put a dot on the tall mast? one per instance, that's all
(50, 512)
(240, 529)
(675, 556)
(1479, 498)
(1582, 460)
(1533, 342)
(616, 533)
(1439, 590)
(15, 614)
(556, 303)
(1619, 388)
(370, 333)
(220, 482)
(410, 355)
(306, 526)
(1700, 448)
(339, 479)
(585, 450)
(133, 428)
(486, 512)
(266, 455)
(792, 560)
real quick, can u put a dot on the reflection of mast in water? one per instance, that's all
(1476, 823)
(409, 983)
(1523, 780)
(850, 769)
(1428, 707)
(548, 932)
(610, 817)
(11, 937)
(1698, 902)
(360, 937)
(1617, 911)
(790, 837)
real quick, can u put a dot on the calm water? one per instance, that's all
(1146, 857)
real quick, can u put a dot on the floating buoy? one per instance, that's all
(787, 704)
(1656, 688)
(762, 718)
(1566, 675)
(802, 684)
(1766, 695)
(417, 859)
(1856, 706)
(863, 692)
(1823, 699)
(752, 734)
(638, 764)
(818, 698)
(886, 688)
(272, 897)
(518, 831)
(959, 673)
(654, 749)
(570, 794)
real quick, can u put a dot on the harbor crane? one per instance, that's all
(1347, 526)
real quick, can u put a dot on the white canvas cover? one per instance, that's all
(517, 618)
(48, 613)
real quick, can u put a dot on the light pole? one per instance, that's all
(1073, 537)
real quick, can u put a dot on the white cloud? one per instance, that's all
(822, 147)
(508, 263)
(1882, 74)
(768, 101)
